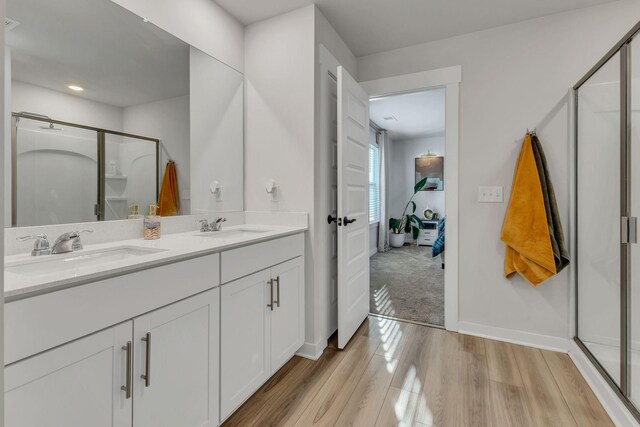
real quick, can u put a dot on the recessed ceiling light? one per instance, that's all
(76, 88)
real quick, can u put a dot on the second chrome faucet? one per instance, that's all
(214, 225)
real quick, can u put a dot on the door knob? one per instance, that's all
(348, 221)
(337, 220)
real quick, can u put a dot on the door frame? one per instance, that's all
(450, 79)
(328, 66)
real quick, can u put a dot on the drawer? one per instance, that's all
(247, 260)
(41, 322)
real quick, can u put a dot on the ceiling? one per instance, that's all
(116, 57)
(413, 115)
(372, 26)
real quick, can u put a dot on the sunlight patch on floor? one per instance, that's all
(410, 404)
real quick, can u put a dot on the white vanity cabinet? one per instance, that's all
(170, 380)
(261, 322)
(244, 339)
(74, 385)
(192, 340)
(175, 375)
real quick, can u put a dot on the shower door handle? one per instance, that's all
(633, 229)
(629, 229)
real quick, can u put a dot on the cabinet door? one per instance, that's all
(74, 385)
(176, 364)
(287, 320)
(244, 341)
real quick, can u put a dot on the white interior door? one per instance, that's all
(353, 206)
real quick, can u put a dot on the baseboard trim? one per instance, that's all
(610, 401)
(312, 351)
(545, 342)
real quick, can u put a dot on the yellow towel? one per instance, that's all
(168, 200)
(525, 229)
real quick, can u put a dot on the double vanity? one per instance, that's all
(105, 328)
(175, 331)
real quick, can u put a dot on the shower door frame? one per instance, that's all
(623, 48)
(100, 144)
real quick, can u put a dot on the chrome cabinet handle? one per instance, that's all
(147, 369)
(278, 291)
(127, 387)
(271, 294)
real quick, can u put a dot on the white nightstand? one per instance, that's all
(429, 233)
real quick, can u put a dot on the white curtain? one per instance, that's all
(383, 156)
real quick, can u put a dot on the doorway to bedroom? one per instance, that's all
(407, 206)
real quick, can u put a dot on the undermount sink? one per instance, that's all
(48, 264)
(233, 234)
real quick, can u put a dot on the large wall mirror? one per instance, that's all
(99, 102)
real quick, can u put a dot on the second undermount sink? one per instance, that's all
(48, 264)
(237, 233)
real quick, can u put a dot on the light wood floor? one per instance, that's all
(401, 374)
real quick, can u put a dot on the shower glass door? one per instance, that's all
(131, 165)
(598, 221)
(633, 303)
(54, 173)
(607, 258)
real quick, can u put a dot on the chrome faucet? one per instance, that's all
(68, 242)
(41, 245)
(215, 225)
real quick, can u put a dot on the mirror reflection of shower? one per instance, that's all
(67, 172)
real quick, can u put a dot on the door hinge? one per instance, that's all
(629, 229)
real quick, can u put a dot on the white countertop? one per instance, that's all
(174, 247)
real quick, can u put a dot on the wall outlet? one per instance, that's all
(490, 195)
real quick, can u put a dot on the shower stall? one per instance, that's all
(607, 200)
(65, 172)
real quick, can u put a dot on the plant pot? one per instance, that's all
(396, 240)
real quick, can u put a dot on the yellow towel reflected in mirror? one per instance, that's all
(168, 200)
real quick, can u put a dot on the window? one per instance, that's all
(374, 184)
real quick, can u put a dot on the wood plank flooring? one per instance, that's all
(400, 374)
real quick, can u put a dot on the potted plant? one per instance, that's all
(408, 222)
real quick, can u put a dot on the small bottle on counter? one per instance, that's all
(134, 211)
(152, 224)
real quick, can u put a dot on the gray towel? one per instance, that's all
(560, 251)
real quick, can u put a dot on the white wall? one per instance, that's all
(279, 123)
(216, 116)
(402, 177)
(327, 36)
(167, 120)
(514, 77)
(64, 107)
(201, 23)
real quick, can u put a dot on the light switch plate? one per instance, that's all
(490, 195)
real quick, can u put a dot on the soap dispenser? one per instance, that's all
(152, 224)
(134, 210)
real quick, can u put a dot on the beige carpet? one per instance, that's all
(407, 283)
